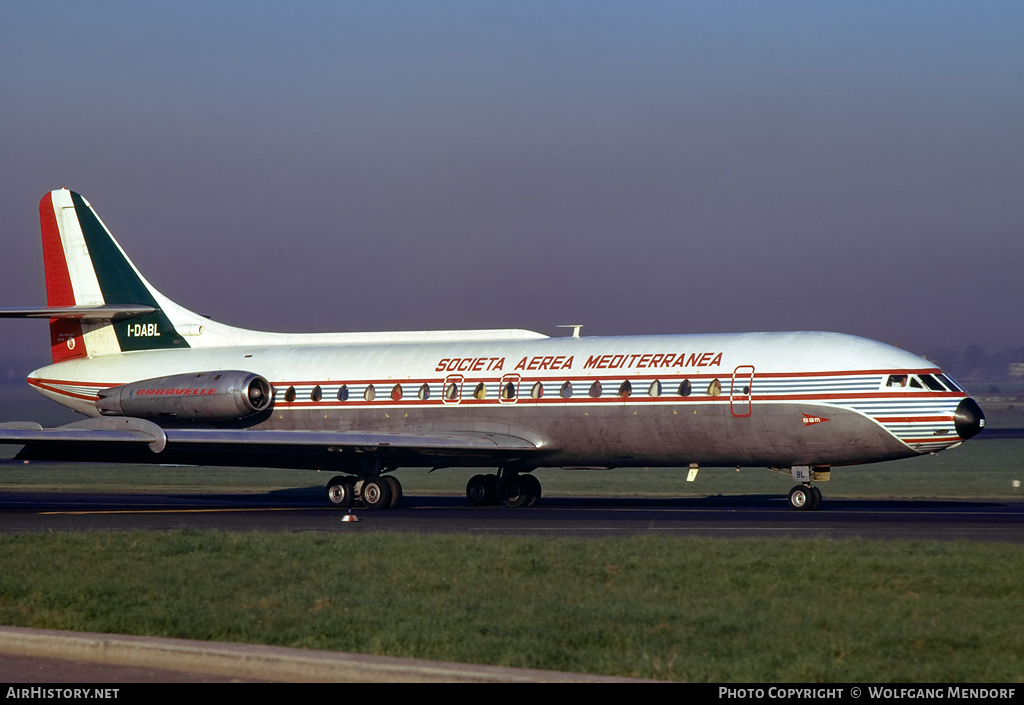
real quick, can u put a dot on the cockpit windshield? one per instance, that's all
(950, 384)
(935, 383)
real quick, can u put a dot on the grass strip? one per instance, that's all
(690, 609)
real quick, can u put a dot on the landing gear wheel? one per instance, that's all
(804, 498)
(376, 493)
(817, 497)
(341, 492)
(513, 494)
(396, 490)
(482, 490)
(521, 491)
(531, 486)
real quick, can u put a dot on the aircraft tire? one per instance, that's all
(376, 493)
(341, 492)
(531, 486)
(515, 493)
(482, 490)
(816, 496)
(396, 490)
(801, 498)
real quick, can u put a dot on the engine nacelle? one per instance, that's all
(217, 395)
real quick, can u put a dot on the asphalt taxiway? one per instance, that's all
(719, 516)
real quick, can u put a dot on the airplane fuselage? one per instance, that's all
(749, 399)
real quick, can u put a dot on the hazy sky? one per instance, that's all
(638, 167)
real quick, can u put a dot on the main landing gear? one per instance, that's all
(507, 486)
(378, 492)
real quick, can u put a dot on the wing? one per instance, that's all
(136, 440)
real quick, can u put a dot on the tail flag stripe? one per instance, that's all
(66, 338)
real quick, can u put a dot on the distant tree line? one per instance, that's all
(13, 371)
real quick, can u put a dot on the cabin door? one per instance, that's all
(741, 389)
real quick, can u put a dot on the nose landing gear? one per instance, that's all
(804, 497)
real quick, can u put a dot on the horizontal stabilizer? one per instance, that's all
(106, 312)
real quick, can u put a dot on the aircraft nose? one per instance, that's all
(969, 419)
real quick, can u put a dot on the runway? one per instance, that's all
(720, 516)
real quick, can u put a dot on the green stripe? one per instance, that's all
(121, 285)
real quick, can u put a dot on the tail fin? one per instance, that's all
(87, 269)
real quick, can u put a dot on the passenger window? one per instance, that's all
(480, 392)
(289, 395)
(424, 392)
(715, 388)
(685, 389)
(625, 389)
(317, 393)
(537, 391)
(655, 389)
(370, 394)
(343, 393)
(566, 391)
(595, 390)
(451, 392)
(396, 392)
(508, 391)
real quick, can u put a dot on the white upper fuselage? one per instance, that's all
(291, 358)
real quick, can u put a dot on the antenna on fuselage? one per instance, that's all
(575, 328)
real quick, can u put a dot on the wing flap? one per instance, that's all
(349, 439)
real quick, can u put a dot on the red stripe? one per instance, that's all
(668, 377)
(78, 383)
(59, 291)
(409, 388)
(66, 393)
(912, 419)
(66, 341)
(48, 385)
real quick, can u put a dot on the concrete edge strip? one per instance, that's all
(266, 663)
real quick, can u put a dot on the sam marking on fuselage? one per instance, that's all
(161, 384)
